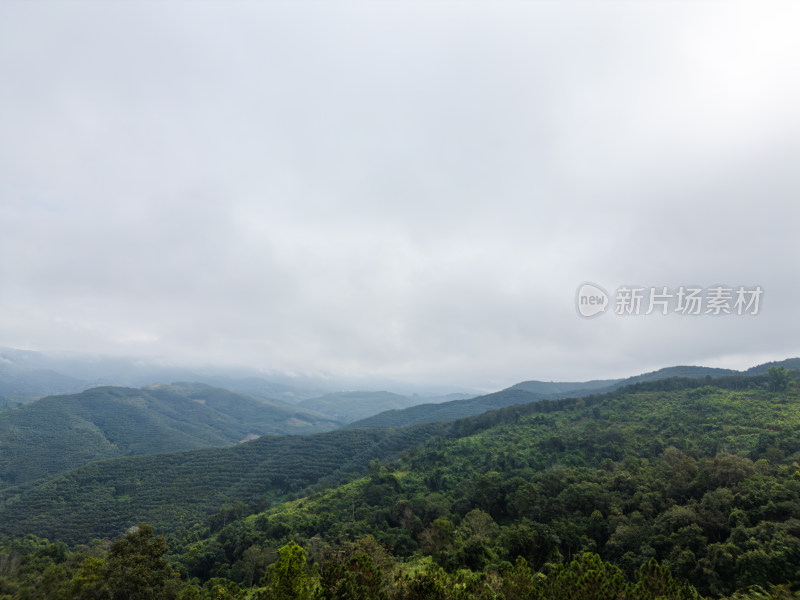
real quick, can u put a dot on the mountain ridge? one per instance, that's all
(57, 433)
(541, 390)
(104, 498)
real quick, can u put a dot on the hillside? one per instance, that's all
(703, 478)
(62, 432)
(447, 411)
(352, 406)
(178, 489)
(540, 390)
(21, 382)
(204, 478)
(566, 387)
(789, 363)
(700, 475)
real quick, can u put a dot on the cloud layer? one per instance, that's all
(410, 190)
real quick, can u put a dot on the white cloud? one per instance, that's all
(409, 190)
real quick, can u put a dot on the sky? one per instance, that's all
(404, 190)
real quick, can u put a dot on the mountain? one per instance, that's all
(537, 390)
(698, 474)
(675, 486)
(62, 432)
(22, 380)
(447, 411)
(789, 363)
(352, 406)
(28, 375)
(680, 371)
(566, 387)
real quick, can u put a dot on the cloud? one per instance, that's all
(408, 190)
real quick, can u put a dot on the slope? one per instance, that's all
(448, 411)
(21, 382)
(180, 489)
(538, 390)
(169, 489)
(352, 406)
(704, 478)
(62, 432)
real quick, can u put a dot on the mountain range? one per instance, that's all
(531, 391)
(694, 468)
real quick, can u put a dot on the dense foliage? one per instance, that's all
(176, 490)
(665, 489)
(135, 568)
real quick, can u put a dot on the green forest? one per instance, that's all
(678, 488)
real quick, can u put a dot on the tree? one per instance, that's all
(136, 568)
(437, 540)
(587, 577)
(778, 379)
(288, 577)
(359, 579)
(253, 563)
(89, 582)
(655, 581)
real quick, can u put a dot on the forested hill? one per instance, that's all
(178, 489)
(448, 411)
(351, 406)
(169, 488)
(703, 478)
(62, 432)
(700, 475)
(539, 390)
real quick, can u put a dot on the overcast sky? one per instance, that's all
(398, 189)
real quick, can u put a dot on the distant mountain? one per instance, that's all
(558, 389)
(681, 371)
(265, 387)
(789, 363)
(28, 375)
(352, 406)
(62, 432)
(541, 390)
(448, 411)
(561, 387)
(23, 379)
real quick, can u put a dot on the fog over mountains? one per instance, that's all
(25, 375)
